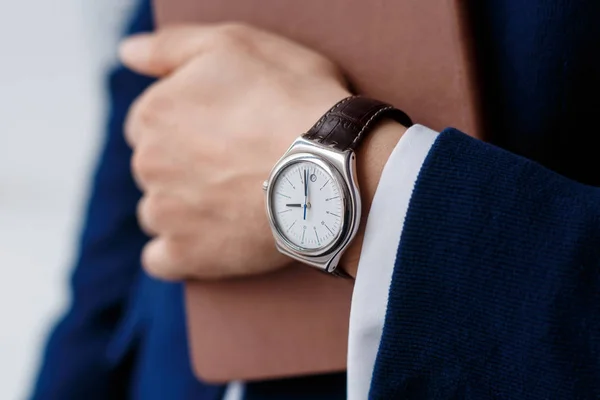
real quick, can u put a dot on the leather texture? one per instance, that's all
(345, 125)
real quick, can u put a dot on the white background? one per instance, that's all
(53, 54)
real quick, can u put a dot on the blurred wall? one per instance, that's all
(53, 55)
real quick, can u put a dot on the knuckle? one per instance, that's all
(146, 113)
(132, 126)
(143, 165)
(150, 165)
(149, 214)
(232, 34)
(144, 221)
(321, 65)
(152, 107)
(160, 212)
(238, 30)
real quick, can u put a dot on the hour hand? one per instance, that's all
(294, 205)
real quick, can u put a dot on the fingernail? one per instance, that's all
(135, 49)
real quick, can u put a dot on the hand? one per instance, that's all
(305, 192)
(230, 102)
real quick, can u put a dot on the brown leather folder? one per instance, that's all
(415, 54)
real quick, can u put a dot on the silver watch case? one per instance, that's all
(342, 167)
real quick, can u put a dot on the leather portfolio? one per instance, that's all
(414, 54)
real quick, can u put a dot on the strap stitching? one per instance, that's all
(366, 125)
(328, 113)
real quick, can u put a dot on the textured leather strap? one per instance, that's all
(350, 120)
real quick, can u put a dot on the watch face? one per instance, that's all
(307, 206)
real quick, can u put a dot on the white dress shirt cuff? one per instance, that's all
(378, 256)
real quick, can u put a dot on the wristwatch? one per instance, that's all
(312, 194)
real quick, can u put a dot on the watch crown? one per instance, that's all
(265, 185)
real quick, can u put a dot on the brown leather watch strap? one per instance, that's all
(350, 120)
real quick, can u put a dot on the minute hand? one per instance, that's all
(305, 192)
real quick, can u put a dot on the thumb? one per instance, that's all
(160, 53)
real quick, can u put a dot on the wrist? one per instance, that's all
(371, 157)
(345, 150)
(299, 116)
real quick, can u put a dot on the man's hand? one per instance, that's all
(230, 102)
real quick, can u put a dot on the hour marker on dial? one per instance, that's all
(307, 192)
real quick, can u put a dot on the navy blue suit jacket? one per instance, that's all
(496, 290)
(496, 287)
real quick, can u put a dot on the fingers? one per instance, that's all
(159, 54)
(156, 212)
(180, 258)
(164, 259)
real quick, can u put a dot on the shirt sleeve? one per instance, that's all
(377, 260)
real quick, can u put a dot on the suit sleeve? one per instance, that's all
(75, 364)
(495, 292)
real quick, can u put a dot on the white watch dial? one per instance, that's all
(307, 205)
